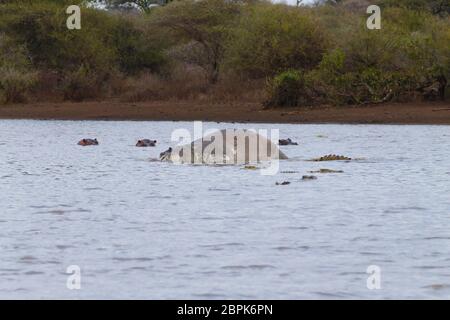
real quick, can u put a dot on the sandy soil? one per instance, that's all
(409, 113)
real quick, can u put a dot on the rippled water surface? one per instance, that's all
(144, 229)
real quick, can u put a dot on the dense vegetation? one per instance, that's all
(225, 50)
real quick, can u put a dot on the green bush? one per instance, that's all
(106, 41)
(286, 89)
(271, 38)
(137, 47)
(330, 55)
(16, 76)
(335, 82)
(436, 7)
(15, 84)
(410, 53)
(81, 84)
(106, 45)
(207, 24)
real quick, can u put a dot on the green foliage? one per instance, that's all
(16, 78)
(207, 23)
(329, 54)
(137, 47)
(82, 83)
(42, 27)
(436, 7)
(271, 38)
(143, 5)
(286, 89)
(410, 52)
(105, 45)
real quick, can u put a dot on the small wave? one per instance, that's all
(249, 267)
(430, 267)
(286, 248)
(41, 207)
(297, 228)
(367, 253)
(437, 238)
(403, 209)
(63, 247)
(25, 173)
(136, 269)
(60, 212)
(9, 270)
(33, 273)
(335, 295)
(139, 259)
(351, 273)
(229, 244)
(209, 296)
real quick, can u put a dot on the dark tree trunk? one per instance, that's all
(442, 86)
(214, 74)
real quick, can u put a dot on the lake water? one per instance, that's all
(145, 229)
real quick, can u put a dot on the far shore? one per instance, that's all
(401, 113)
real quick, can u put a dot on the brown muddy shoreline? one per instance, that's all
(404, 113)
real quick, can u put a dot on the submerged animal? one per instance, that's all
(332, 157)
(88, 142)
(287, 142)
(146, 143)
(228, 146)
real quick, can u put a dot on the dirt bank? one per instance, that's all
(409, 113)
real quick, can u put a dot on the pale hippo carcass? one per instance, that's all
(227, 146)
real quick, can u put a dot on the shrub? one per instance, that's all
(410, 53)
(335, 83)
(436, 7)
(79, 84)
(137, 46)
(196, 49)
(16, 76)
(271, 38)
(15, 84)
(151, 87)
(205, 23)
(286, 89)
(106, 45)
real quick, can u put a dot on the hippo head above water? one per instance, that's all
(88, 142)
(146, 143)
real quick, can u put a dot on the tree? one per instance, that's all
(207, 23)
(143, 5)
(270, 39)
(436, 7)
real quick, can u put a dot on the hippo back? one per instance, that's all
(228, 146)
